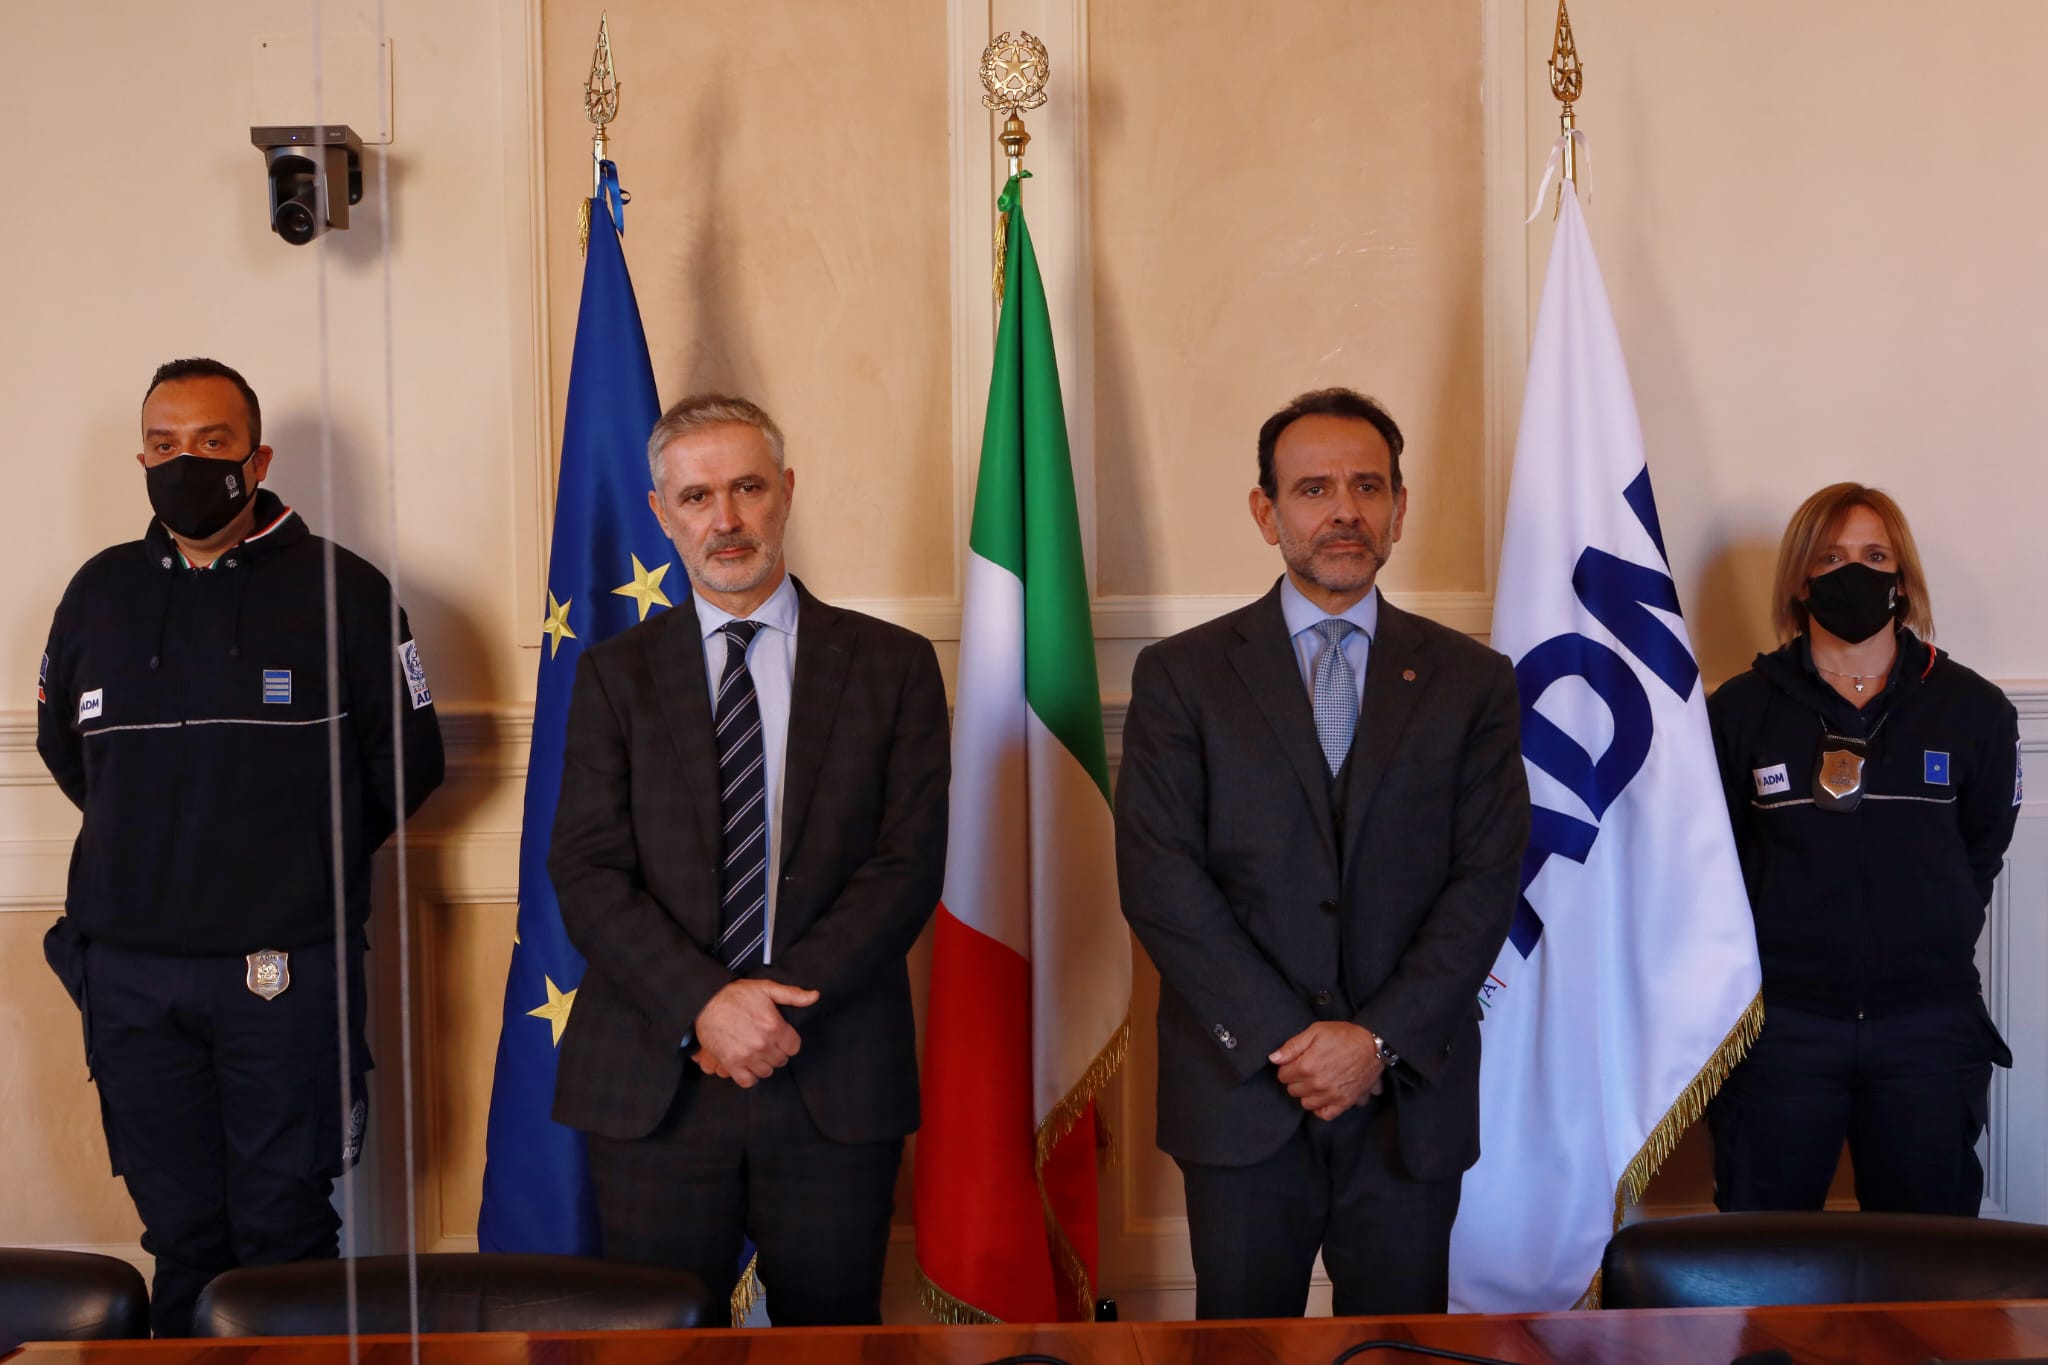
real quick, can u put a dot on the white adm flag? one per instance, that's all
(1629, 981)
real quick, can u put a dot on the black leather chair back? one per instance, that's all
(1746, 1260)
(68, 1296)
(458, 1293)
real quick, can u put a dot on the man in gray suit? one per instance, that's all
(1320, 822)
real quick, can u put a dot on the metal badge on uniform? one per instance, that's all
(1838, 773)
(270, 973)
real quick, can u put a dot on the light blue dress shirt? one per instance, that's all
(1302, 615)
(771, 658)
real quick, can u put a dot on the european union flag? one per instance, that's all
(606, 568)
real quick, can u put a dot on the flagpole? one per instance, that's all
(601, 103)
(1014, 72)
(1567, 82)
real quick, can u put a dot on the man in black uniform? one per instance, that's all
(233, 794)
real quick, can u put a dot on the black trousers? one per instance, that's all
(1337, 1187)
(727, 1164)
(222, 1109)
(1906, 1091)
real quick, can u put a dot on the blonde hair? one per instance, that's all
(1810, 529)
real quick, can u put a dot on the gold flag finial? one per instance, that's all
(601, 103)
(1014, 70)
(1567, 82)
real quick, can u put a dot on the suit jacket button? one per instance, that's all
(1328, 907)
(1224, 1036)
(1319, 999)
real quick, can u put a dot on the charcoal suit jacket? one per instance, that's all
(1270, 896)
(635, 862)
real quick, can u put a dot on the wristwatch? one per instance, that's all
(1387, 1055)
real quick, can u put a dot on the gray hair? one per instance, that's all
(702, 410)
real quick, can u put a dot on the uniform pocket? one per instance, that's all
(1996, 1049)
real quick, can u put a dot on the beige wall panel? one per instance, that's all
(1814, 282)
(1283, 197)
(173, 256)
(465, 952)
(788, 239)
(62, 1192)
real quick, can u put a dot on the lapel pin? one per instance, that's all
(1407, 675)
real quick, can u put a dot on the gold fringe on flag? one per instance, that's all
(1002, 250)
(1683, 1113)
(946, 1309)
(747, 1292)
(1051, 1132)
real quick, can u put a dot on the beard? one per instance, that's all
(736, 576)
(1315, 561)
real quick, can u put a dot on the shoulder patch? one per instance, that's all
(2019, 777)
(89, 704)
(415, 674)
(42, 678)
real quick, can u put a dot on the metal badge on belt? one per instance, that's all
(1838, 773)
(270, 973)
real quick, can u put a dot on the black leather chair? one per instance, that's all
(1747, 1260)
(458, 1293)
(68, 1296)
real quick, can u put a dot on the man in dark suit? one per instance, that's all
(1320, 821)
(751, 834)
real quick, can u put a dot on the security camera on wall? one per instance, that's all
(314, 175)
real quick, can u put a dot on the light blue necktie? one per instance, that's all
(1335, 692)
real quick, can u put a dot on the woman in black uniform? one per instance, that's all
(1873, 783)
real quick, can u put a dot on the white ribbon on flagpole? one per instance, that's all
(1550, 169)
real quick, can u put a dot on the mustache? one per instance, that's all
(739, 540)
(1345, 538)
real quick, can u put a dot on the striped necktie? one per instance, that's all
(742, 797)
(1335, 692)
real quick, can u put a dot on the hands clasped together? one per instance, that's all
(1330, 1066)
(741, 1034)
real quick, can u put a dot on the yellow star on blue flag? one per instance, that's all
(556, 1010)
(556, 627)
(645, 589)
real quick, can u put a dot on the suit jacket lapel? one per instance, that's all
(1265, 660)
(824, 643)
(675, 655)
(1394, 678)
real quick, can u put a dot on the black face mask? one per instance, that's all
(1854, 602)
(196, 497)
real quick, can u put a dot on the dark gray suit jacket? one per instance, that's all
(635, 862)
(1263, 915)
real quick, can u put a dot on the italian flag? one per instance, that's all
(1029, 1011)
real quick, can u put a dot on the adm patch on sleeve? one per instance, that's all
(415, 674)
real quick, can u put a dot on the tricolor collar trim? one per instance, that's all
(282, 518)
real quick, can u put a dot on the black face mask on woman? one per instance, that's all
(1854, 602)
(195, 497)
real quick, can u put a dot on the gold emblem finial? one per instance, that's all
(1567, 76)
(1014, 70)
(601, 89)
(601, 103)
(1567, 82)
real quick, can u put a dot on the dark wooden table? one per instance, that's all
(1894, 1334)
